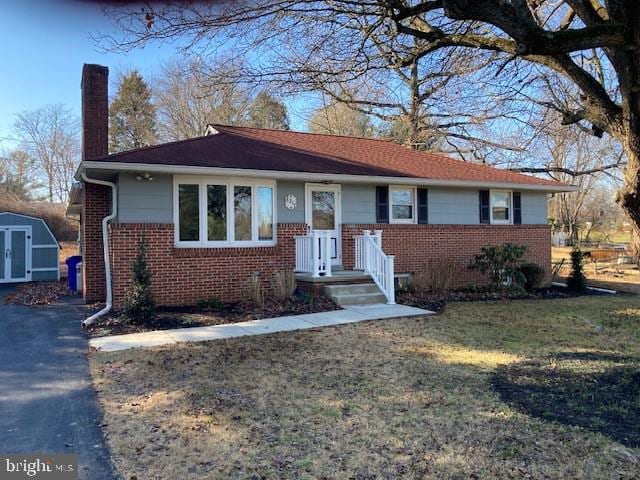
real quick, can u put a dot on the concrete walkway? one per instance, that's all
(350, 314)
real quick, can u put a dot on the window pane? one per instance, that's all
(265, 213)
(216, 212)
(242, 212)
(402, 204)
(188, 213)
(402, 212)
(500, 205)
(323, 209)
(402, 197)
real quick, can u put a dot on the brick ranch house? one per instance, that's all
(216, 209)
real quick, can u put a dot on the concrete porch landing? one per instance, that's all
(350, 314)
(338, 276)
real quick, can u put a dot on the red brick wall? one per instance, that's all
(182, 276)
(96, 204)
(95, 111)
(416, 245)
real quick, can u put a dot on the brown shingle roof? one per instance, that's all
(261, 149)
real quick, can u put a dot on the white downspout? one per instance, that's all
(105, 245)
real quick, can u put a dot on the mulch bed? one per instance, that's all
(596, 391)
(222, 314)
(436, 302)
(38, 293)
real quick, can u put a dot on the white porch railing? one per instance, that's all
(313, 253)
(371, 259)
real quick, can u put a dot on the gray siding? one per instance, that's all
(40, 233)
(152, 202)
(358, 203)
(145, 202)
(284, 215)
(457, 206)
(44, 258)
(51, 276)
(534, 208)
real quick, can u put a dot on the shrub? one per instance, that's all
(210, 304)
(284, 285)
(501, 263)
(533, 275)
(577, 281)
(254, 290)
(139, 305)
(436, 276)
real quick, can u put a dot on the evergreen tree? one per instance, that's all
(132, 115)
(139, 304)
(576, 282)
(266, 111)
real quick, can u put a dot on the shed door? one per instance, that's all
(16, 258)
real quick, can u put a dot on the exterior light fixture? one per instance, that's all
(146, 177)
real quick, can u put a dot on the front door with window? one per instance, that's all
(323, 213)
(15, 245)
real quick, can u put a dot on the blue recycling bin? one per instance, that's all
(72, 262)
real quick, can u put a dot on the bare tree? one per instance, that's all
(592, 44)
(571, 151)
(50, 136)
(188, 100)
(339, 119)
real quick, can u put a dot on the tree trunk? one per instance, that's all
(629, 76)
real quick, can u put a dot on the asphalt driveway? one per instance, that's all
(47, 402)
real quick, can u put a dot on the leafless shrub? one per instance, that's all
(255, 291)
(284, 284)
(435, 276)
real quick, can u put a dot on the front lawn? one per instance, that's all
(518, 389)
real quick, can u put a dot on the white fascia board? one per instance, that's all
(318, 177)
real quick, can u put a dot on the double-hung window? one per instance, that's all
(501, 211)
(218, 212)
(402, 204)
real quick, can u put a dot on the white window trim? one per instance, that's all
(509, 221)
(414, 208)
(229, 183)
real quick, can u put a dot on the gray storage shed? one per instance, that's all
(28, 250)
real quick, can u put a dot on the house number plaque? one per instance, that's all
(290, 201)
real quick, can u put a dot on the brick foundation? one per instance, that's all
(182, 276)
(414, 246)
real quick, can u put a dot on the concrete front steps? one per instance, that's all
(355, 293)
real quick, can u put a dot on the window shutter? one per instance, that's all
(423, 205)
(484, 206)
(382, 204)
(517, 208)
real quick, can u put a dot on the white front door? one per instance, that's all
(15, 250)
(322, 207)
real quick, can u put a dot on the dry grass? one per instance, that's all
(67, 249)
(392, 399)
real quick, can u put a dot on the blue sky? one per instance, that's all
(45, 44)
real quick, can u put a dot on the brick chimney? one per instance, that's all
(95, 111)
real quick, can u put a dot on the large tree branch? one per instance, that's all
(569, 171)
